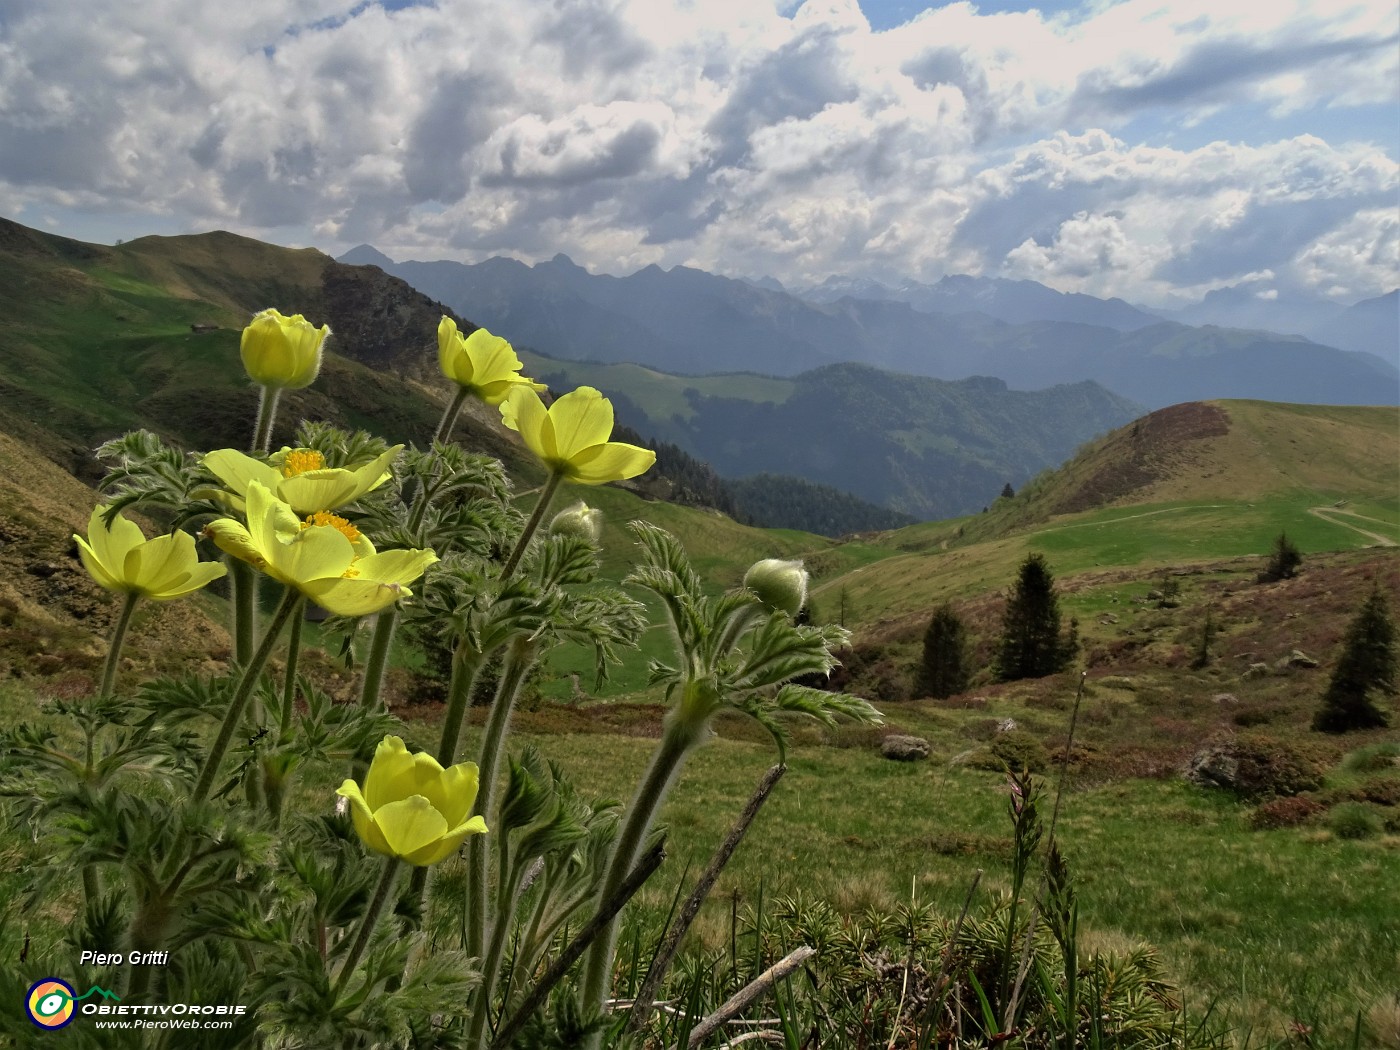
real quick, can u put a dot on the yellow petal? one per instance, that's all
(458, 787)
(409, 825)
(396, 566)
(353, 597)
(524, 412)
(390, 773)
(237, 470)
(450, 349)
(232, 538)
(448, 844)
(363, 818)
(581, 418)
(162, 563)
(612, 461)
(94, 566)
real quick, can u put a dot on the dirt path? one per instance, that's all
(1326, 514)
(1130, 517)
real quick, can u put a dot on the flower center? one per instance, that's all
(300, 460)
(334, 521)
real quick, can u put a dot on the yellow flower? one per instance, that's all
(122, 559)
(324, 557)
(298, 477)
(282, 352)
(411, 808)
(483, 364)
(571, 436)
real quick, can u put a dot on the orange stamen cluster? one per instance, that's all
(300, 460)
(334, 521)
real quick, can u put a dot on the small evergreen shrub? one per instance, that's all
(1354, 820)
(1016, 750)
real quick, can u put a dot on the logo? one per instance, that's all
(50, 1001)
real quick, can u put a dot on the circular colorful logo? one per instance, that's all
(50, 1003)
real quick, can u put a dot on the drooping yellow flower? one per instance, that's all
(324, 557)
(483, 364)
(411, 808)
(282, 353)
(571, 435)
(298, 477)
(120, 558)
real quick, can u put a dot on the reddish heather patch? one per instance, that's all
(1155, 447)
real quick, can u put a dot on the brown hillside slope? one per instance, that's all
(1235, 450)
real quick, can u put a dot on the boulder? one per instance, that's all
(905, 748)
(1216, 765)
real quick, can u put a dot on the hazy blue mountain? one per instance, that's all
(1370, 326)
(689, 322)
(1016, 302)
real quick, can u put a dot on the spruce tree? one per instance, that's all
(1031, 646)
(946, 668)
(1283, 561)
(1366, 666)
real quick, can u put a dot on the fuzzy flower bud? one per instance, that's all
(282, 353)
(781, 584)
(579, 520)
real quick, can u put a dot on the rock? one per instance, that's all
(905, 748)
(42, 569)
(1226, 698)
(1117, 681)
(1007, 725)
(1214, 766)
(1108, 619)
(1256, 671)
(1298, 658)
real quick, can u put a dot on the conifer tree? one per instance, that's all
(1031, 646)
(1367, 665)
(945, 668)
(1283, 561)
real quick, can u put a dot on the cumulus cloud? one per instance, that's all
(744, 137)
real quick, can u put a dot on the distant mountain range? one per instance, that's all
(690, 322)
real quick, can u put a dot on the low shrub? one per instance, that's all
(1270, 767)
(1354, 820)
(1284, 813)
(1373, 759)
(1016, 750)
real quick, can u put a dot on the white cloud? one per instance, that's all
(749, 138)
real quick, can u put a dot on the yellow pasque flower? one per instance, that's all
(120, 558)
(324, 557)
(483, 364)
(298, 477)
(280, 352)
(411, 808)
(571, 436)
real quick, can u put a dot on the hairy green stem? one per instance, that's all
(243, 595)
(268, 397)
(676, 742)
(291, 602)
(289, 681)
(376, 666)
(541, 505)
(500, 932)
(449, 418)
(520, 658)
(114, 650)
(368, 921)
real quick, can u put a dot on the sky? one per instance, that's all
(1150, 149)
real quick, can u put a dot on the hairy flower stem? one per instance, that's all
(368, 921)
(449, 418)
(268, 397)
(289, 680)
(520, 658)
(376, 666)
(291, 602)
(243, 593)
(679, 738)
(541, 505)
(114, 650)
